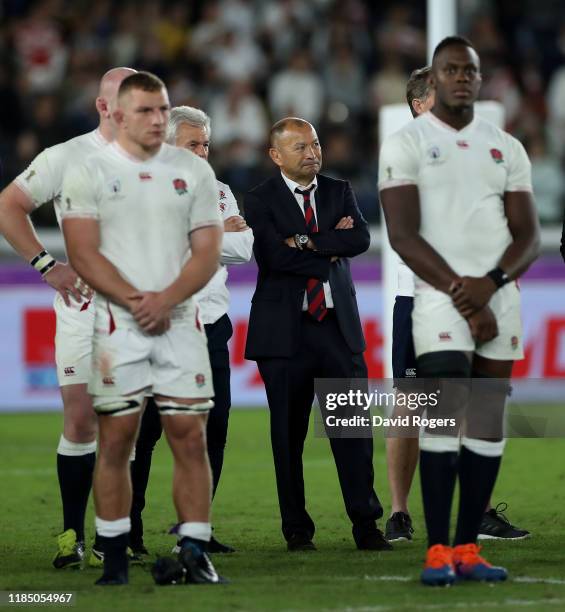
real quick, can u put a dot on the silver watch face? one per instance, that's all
(302, 238)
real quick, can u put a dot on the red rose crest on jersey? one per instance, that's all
(222, 197)
(180, 186)
(200, 380)
(497, 156)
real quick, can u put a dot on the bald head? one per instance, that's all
(106, 101)
(111, 81)
(283, 125)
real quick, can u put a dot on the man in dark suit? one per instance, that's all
(304, 323)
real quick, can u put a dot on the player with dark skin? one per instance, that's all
(457, 79)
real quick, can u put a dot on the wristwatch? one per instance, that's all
(300, 240)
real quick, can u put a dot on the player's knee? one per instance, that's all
(485, 416)
(195, 441)
(444, 364)
(79, 417)
(83, 432)
(115, 447)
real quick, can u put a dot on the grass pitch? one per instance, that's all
(264, 576)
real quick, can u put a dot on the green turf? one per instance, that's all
(264, 576)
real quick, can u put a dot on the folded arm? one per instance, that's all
(271, 251)
(345, 242)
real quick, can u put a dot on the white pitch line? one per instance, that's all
(506, 603)
(390, 578)
(537, 580)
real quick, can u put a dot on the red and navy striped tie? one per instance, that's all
(314, 287)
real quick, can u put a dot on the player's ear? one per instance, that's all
(275, 156)
(102, 107)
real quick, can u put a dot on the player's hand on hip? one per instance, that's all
(345, 223)
(66, 281)
(150, 311)
(483, 325)
(236, 223)
(470, 294)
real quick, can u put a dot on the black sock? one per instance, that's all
(115, 557)
(477, 476)
(438, 472)
(75, 482)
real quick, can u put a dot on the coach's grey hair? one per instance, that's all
(186, 114)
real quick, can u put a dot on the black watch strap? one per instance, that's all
(498, 277)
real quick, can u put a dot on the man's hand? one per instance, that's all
(470, 294)
(344, 223)
(236, 223)
(483, 325)
(290, 242)
(66, 281)
(150, 311)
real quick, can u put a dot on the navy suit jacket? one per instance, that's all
(272, 212)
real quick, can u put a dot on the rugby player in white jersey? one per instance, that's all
(402, 451)
(457, 196)
(142, 227)
(41, 183)
(190, 128)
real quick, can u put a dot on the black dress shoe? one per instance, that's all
(372, 540)
(300, 541)
(217, 547)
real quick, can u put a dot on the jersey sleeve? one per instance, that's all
(519, 168)
(41, 181)
(230, 207)
(205, 210)
(398, 162)
(79, 198)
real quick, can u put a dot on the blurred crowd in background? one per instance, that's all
(248, 63)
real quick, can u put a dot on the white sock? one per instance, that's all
(112, 529)
(198, 531)
(75, 449)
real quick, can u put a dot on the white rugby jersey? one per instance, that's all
(461, 176)
(146, 210)
(237, 248)
(42, 181)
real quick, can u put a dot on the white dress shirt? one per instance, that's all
(237, 248)
(300, 201)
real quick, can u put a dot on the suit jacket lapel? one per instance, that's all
(323, 212)
(290, 206)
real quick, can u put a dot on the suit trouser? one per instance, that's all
(218, 334)
(289, 382)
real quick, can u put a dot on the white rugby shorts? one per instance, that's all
(174, 364)
(73, 341)
(437, 326)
